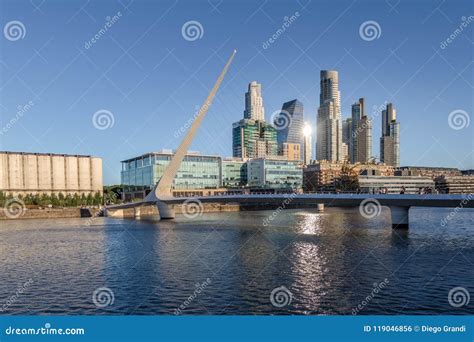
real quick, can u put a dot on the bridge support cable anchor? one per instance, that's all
(400, 217)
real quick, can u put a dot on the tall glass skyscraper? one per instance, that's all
(254, 102)
(361, 134)
(292, 130)
(329, 123)
(252, 137)
(390, 139)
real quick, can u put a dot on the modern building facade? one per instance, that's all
(23, 173)
(390, 139)
(427, 171)
(329, 123)
(290, 151)
(322, 175)
(254, 139)
(455, 184)
(360, 150)
(394, 184)
(347, 133)
(254, 109)
(234, 173)
(274, 174)
(291, 131)
(140, 174)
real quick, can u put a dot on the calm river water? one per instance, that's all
(332, 263)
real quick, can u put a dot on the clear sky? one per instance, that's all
(151, 79)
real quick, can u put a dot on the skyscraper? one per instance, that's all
(390, 139)
(252, 137)
(361, 134)
(347, 136)
(329, 124)
(289, 124)
(254, 102)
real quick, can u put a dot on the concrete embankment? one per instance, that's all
(53, 213)
(153, 211)
(49, 213)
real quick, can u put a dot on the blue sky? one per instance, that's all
(151, 79)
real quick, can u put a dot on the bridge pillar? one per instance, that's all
(320, 207)
(166, 211)
(137, 212)
(399, 217)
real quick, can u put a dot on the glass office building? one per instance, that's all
(291, 119)
(140, 174)
(234, 173)
(275, 174)
(253, 139)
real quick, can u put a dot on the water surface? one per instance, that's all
(330, 262)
